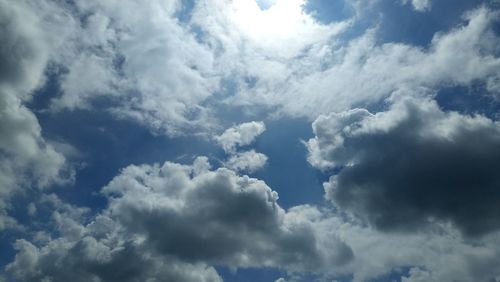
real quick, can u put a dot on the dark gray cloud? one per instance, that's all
(412, 165)
(217, 217)
(178, 221)
(97, 251)
(92, 260)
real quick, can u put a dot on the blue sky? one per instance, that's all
(249, 140)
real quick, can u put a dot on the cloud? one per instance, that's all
(249, 161)
(91, 260)
(411, 168)
(94, 251)
(174, 222)
(240, 135)
(166, 219)
(148, 68)
(322, 81)
(440, 254)
(172, 76)
(218, 217)
(412, 165)
(26, 158)
(419, 5)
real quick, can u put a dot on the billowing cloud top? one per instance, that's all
(412, 165)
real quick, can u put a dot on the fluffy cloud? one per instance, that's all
(249, 161)
(240, 135)
(412, 165)
(148, 67)
(176, 217)
(26, 159)
(90, 259)
(419, 5)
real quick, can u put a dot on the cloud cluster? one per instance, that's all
(242, 135)
(26, 158)
(160, 70)
(147, 67)
(412, 165)
(412, 168)
(174, 219)
(171, 74)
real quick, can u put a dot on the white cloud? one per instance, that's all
(169, 75)
(151, 67)
(335, 76)
(249, 161)
(240, 135)
(419, 5)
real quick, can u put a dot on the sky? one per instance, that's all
(250, 140)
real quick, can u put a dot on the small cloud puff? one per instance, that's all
(240, 135)
(249, 161)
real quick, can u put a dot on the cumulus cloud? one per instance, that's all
(26, 158)
(249, 161)
(412, 165)
(98, 260)
(177, 217)
(240, 135)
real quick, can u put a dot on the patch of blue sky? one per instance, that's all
(394, 276)
(472, 99)
(328, 11)
(265, 4)
(183, 14)
(272, 274)
(287, 170)
(401, 23)
(250, 274)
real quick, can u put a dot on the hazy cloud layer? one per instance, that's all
(412, 165)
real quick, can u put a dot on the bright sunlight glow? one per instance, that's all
(281, 20)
